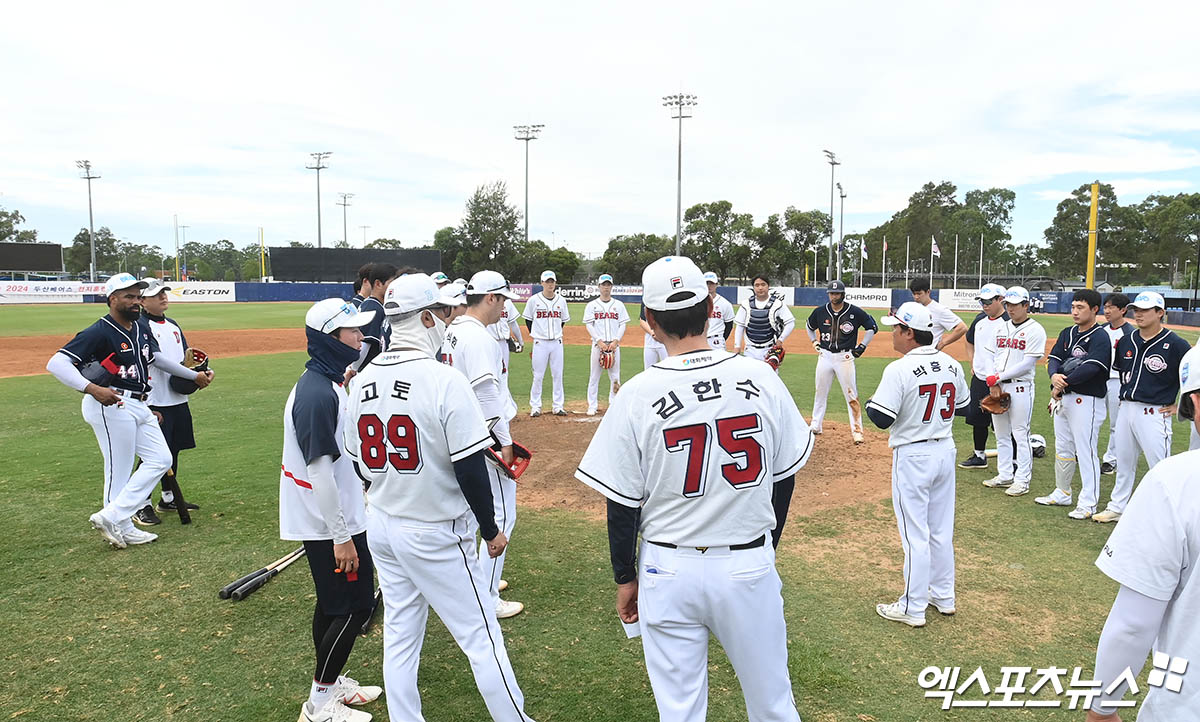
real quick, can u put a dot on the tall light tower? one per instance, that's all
(841, 227)
(345, 203)
(86, 167)
(180, 254)
(680, 105)
(319, 165)
(364, 230)
(833, 164)
(527, 133)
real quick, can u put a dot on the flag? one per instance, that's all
(885, 245)
(936, 251)
(864, 250)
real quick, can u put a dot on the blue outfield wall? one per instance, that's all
(292, 291)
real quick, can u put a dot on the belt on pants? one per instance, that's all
(732, 547)
(136, 396)
(752, 344)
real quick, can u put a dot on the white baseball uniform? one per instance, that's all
(605, 321)
(1112, 398)
(411, 419)
(722, 313)
(509, 326)
(921, 391)
(548, 316)
(471, 349)
(1018, 347)
(697, 442)
(652, 350)
(943, 320)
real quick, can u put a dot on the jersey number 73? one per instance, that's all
(735, 434)
(931, 392)
(399, 432)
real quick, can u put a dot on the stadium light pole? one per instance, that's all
(833, 164)
(527, 133)
(364, 230)
(680, 104)
(841, 226)
(318, 165)
(86, 167)
(345, 203)
(180, 254)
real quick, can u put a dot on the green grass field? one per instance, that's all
(94, 634)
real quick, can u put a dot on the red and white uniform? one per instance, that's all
(509, 326)
(722, 313)
(1016, 351)
(548, 316)
(605, 321)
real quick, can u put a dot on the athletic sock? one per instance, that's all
(981, 453)
(168, 496)
(320, 694)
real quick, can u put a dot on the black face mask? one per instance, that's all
(1187, 409)
(328, 356)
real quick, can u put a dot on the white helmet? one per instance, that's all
(1037, 443)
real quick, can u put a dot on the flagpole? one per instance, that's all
(932, 243)
(883, 265)
(956, 260)
(981, 260)
(907, 257)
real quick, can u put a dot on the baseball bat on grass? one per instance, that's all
(228, 588)
(251, 586)
(172, 485)
(366, 627)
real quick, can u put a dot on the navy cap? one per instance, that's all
(836, 287)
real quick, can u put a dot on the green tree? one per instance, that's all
(9, 233)
(717, 239)
(1119, 236)
(487, 237)
(1172, 229)
(626, 257)
(384, 243)
(565, 263)
(78, 255)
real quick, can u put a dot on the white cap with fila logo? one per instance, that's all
(672, 283)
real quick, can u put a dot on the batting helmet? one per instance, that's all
(1037, 443)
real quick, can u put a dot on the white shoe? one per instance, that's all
(134, 536)
(349, 691)
(591, 412)
(1080, 513)
(1018, 489)
(894, 612)
(816, 430)
(943, 608)
(1107, 516)
(535, 413)
(504, 609)
(997, 483)
(111, 532)
(858, 437)
(333, 711)
(1057, 498)
(502, 585)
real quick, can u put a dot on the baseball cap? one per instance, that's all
(672, 283)
(911, 314)
(121, 281)
(1149, 299)
(452, 294)
(439, 278)
(835, 287)
(333, 313)
(604, 278)
(154, 286)
(549, 276)
(411, 292)
(485, 282)
(710, 277)
(1016, 294)
(1189, 382)
(990, 291)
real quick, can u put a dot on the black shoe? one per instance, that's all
(165, 506)
(146, 516)
(973, 462)
(1107, 468)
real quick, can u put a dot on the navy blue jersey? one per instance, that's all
(356, 300)
(1150, 369)
(315, 417)
(837, 331)
(377, 328)
(979, 317)
(125, 354)
(1091, 348)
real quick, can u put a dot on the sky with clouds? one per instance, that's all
(209, 111)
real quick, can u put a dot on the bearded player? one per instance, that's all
(833, 331)
(698, 454)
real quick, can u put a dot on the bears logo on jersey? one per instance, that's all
(547, 314)
(1013, 343)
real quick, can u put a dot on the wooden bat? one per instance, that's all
(251, 586)
(366, 627)
(172, 485)
(228, 588)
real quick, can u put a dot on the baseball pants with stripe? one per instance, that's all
(1076, 430)
(1139, 427)
(126, 432)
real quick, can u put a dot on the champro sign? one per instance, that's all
(870, 297)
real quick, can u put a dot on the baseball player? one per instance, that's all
(833, 331)
(917, 398)
(545, 314)
(981, 350)
(763, 321)
(470, 347)
(1020, 342)
(605, 319)
(115, 354)
(360, 281)
(720, 323)
(1117, 327)
(698, 454)
(321, 505)
(652, 349)
(1151, 555)
(508, 334)
(441, 279)
(417, 433)
(171, 405)
(376, 332)
(947, 326)
(1149, 364)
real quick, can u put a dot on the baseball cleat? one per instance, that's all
(505, 609)
(858, 437)
(973, 462)
(1018, 489)
(1106, 516)
(1107, 468)
(349, 691)
(502, 585)
(560, 412)
(1079, 513)
(895, 613)
(535, 413)
(146, 516)
(134, 536)
(111, 532)
(816, 430)
(170, 506)
(997, 483)
(1057, 498)
(333, 711)
(946, 609)
(591, 412)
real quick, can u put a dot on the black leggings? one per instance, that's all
(334, 638)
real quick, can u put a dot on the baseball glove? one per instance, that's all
(606, 359)
(194, 359)
(521, 458)
(775, 356)
(514, 345)
(996, 403)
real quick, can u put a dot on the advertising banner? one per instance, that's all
(201, 291)
(46, 291)
(869, 297)
(959, 299)
(524, 290)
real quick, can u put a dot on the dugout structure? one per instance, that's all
(31, 258)
(342, 264)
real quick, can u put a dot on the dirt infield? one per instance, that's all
(558, 444)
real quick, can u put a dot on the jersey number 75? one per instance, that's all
(735, 434)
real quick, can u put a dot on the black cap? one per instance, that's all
(836, 287)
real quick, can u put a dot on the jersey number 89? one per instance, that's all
(735, 434)
(399, 432)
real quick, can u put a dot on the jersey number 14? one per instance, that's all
(735, 434)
